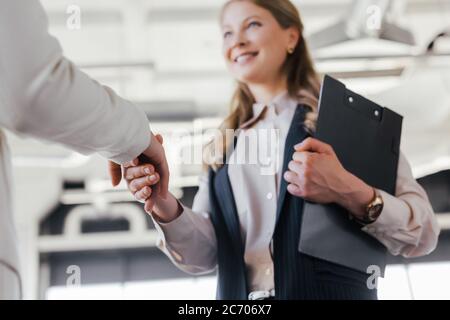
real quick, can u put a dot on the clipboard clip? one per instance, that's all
(373, 113)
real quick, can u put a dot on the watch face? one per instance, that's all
(375, 211)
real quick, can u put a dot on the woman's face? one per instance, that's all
(254, 44)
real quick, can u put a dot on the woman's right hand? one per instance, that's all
(142, 180)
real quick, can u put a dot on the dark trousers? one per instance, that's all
(317, 279)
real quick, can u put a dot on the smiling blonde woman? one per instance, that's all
(246, 224)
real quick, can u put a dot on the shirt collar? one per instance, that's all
(278, 104)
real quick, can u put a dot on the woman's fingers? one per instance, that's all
(314, 145)
(294, 190)
(295, 167)
(303, 157)
(291, 177)
(143, 194)
(140, 183)
(139, 171)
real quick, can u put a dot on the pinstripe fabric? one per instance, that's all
(232, 282)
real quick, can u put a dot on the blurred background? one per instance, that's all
(165, 55)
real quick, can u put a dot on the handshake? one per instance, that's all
(147, 179)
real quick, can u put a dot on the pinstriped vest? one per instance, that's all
(296, 276)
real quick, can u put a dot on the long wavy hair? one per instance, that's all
(303, 83)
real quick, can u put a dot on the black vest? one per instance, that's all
(296, 275)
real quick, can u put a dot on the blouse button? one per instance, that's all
(269, 196)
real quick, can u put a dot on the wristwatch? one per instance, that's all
(373, 209)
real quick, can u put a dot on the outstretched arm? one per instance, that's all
(44, 95)
(186, 235)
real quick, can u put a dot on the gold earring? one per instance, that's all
(290, 50)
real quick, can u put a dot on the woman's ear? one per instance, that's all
(293, 37)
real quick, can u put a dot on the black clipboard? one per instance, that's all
(366, 138)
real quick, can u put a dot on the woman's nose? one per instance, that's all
(240, 40)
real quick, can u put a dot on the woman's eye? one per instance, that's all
(254, 24)
(226, 34)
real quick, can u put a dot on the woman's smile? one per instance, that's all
(246, 57)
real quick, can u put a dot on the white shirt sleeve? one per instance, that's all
(190, 240)
(44, 95)
(407, 225)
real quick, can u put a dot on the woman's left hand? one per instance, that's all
(316, 174)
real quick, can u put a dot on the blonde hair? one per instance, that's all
(302, 82)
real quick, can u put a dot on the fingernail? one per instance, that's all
(298, 145)
(129, 177)
(147, 171)
(152, 177)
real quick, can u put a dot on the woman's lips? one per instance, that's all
(245, 57)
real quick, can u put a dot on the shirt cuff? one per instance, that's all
(177, 230)
(140, 142)
(395, 215)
